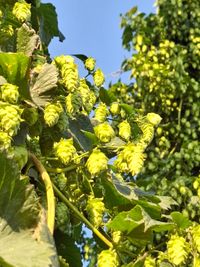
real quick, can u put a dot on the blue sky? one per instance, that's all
(93, 28)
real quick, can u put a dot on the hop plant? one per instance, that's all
(104, 132)
(5, 141)
(65, 150)
(147, 132)
(177, 249)
(97, 162)
(131, 158)
(196, 261)
(149, 262)
(101, 112)
(6, 32)
(60, 61)
(153, 118)
(98, 78)
(73, 103)
(108, 258)
(10, 118)
(116, 236)
(9, 93)
(95, 209)
(115, 108)
(63, 122)
(196, 237)
(90, 63)
(52, 113)
(20, 156)
(125, 130)
(62, 216)
(22, 11)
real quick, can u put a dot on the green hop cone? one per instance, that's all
(149, 262)
(63, 122)
(62, 60)
(125, 130)
(116, 237)
(52, 113)
(153, 118)
(73, 103)
(10, 118)
(196, 237)
(108, 258)
(130, 159)
(115, 108)
(97, 162)
(65, 150)
(98, 78)
(20, 156)
(147, 132)
(95, 209)
(22, 11)
(5, 141)
(177, 250)
(101, 112)
(104, 132)
(30, 115)
(90, 63)
(62, 216)
(9, 93)
(6, 32)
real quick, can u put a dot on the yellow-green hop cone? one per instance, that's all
(52, 113)
(90, 63)
(130, 159)
(73, 103)
(6, 32)
(148, 132)
(95, 209)
(69, 74)
(22, 11)
(116, 236)
(98, 78)
(104, 132)
(149, 262)
(62, 60)
(153, 118)
(97, 162)
(65, 150)
(10, 118)
(125, 130)
(196, 236)
(107, 258)
(115, 108)
(101, 112)
(177, 250)
(9, 93)
(88, 97)
(5, 141)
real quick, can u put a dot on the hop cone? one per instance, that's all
(177, 249)
(9, 93)
(10, 118)
(88, 97)
(104, 132)
(90, 63)
(124, 130)
(107, 258)
(114, 108)
(101, 112)
(65, 150)
(73, 102)
(95, 208)
(97, 162)
(52, 113)
(5, 141)
(130, 159)
(99, 78)
(153, 118)
(196, 236)
(22, 11)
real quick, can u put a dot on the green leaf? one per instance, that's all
(81, 57)
(91, 136)
(27, 40)
(46, 81)
(166, 202)
(107, 96)
(68, 249)
(20, 227)
(2, 80)
(48, 23)
(14, 68)
(180, 220)
(76, 126)
(128, 109)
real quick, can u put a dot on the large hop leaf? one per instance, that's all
(20, 228)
